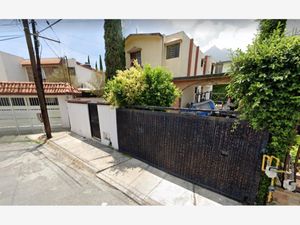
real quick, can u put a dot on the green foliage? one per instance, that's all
(138, 86)
(96, 66)
(265, 81)
(160, 90)
(114, 47)
(294, 148)
(100, 63)
(267, 27)
(88, 60)
(219, 93)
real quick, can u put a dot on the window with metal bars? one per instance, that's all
(4, 102)
(51, 101)
(34, 101)
(18, 101)
(173, 51)
(137, 56)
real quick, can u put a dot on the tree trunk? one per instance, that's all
(296, 163)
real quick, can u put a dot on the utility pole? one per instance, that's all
(37, 72)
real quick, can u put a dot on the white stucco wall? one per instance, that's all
(62, 101)
(151, 49)
(108, 125)
(83, 75)
(11, 68)
(199, 68)
(79, 119)
(188, 95)
(178, 66)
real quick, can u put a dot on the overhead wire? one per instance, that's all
(11, 38)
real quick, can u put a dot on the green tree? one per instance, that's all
(96, 66)
(267, 27)
(138, 86)
(100, 63)
(114, 47)
(88, 60)
(265, 81)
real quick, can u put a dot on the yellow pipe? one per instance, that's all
(270, 159)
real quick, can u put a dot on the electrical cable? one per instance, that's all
(6, 39)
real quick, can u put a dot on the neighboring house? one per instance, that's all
(179, 54)
(15, 68)
(19, 106)
(222, 66)
(83, 72)
(11, 68)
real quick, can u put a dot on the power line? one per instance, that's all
(50, 25)
(6, 39)
(51, 48)
(52, 30)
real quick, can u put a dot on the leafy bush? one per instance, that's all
(265, 80)
(138, 86)
(219, 93)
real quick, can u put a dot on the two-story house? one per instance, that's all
(176, 52)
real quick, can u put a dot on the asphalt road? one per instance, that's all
(28, 176)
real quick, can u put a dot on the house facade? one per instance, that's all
(15, 68)
(180, 55)
(11, 68)
(20, 109)
(176, 52)
(83, 73)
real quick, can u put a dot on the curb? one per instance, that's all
(63, 154)
(130, 193)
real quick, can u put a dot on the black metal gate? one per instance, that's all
(94, 120)
(202, 150)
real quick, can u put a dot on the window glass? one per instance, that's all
(51, 101)
(18, 101)
(137, 56)
(4, 102)
(34, 101)
(173, 51)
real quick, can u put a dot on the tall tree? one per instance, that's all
(267, 27)
(114, 47)
(100, 63)
(88, 61)
(96, 66)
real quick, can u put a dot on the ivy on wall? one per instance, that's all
(266, 84)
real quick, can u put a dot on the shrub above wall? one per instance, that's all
(142, 86)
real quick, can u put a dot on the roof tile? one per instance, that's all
(19, 88)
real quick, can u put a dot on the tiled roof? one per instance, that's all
(45, 61)
(28, 88)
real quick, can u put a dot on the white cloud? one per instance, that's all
(221, 33)
(233, 37)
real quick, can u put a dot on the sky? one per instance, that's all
(82, 38)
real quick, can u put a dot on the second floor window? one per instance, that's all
(137, 56)
(72, 71)
(173, 51)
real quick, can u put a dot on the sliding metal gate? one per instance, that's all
(19, 115)
(94, 120)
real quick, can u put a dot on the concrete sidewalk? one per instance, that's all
(143, 183)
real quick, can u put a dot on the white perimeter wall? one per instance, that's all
(108, 125)
(79, 119)
(62, 101)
